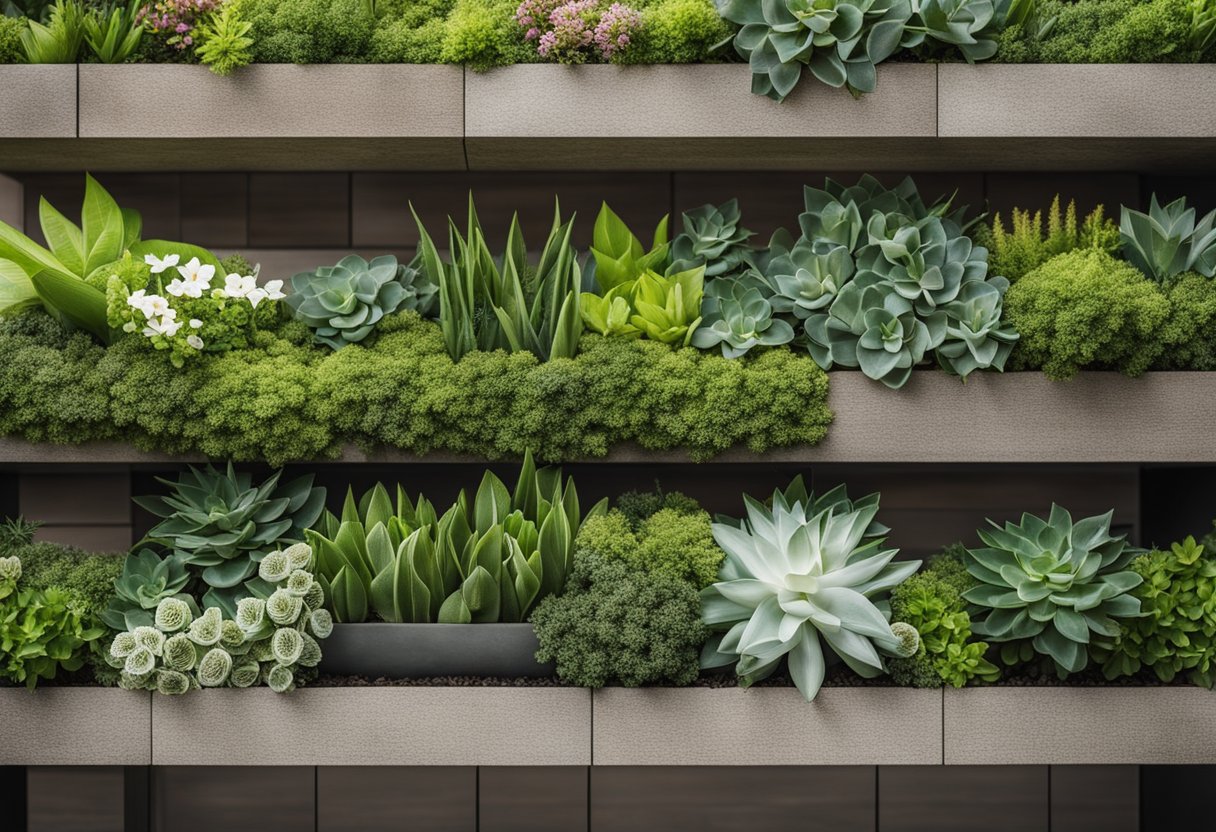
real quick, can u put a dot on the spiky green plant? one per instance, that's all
(1168, 240)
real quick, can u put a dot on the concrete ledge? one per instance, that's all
(767, 726)
(1080, 725)
(401, 726)
(75, 727)
(1081, 100)
(37, 101)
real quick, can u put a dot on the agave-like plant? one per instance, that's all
(342, 304)
(739, 317)
(798, 578)
(1168, 241)
(714, 238)
(224, 524)
(1047, 585)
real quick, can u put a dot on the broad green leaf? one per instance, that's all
(74, 301)
(64, 238)
(132, 227)
(101, 222)
(16, 291)
(163, 248)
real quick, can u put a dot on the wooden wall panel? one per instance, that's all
(215, 209)
(1034, 191)
(963, 799)
(233, 799)
(1086, 798)
(532, 798)
(396, 798)
(90, 510)
(75, 799)
(305, 210)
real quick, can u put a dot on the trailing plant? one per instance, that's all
(342, 304)
(516, 308)
(1049, 587)
(932, 602)
(1176, 631)
(796, 580)
(59, 41)
(1168, 241)
(488, 560)
(271, 638)
(713, 237)
(222, 524)
(1085, 309)
(41, 631)
(1025, 245)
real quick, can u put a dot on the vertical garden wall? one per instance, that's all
(506, 416)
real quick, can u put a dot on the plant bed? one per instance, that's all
(422, 650)
(767, 726)
(72, 726)
(1079, 725)
(374, 726)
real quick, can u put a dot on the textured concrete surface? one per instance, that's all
(767, 726)
(1074, 726)
(75, 726)
(374, 726)
(39, 102)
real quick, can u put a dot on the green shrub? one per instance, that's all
(1025, 245)
(932, 602)
(616, 624)
(308, 31)
(1104, 31)
(637, 506)
(283, 399)
(10, 40)
(677, 32)
(1085, 309)
(669, 542)
(1177, 632)
(482, 34)
(88, 577)
(1190, 333)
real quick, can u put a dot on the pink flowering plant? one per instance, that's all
(175, 22)
(574, 31)
(186, 310)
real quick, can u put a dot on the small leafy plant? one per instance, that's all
(1026, 245)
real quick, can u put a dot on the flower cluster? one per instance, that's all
(186, 315)
(567, 31)
(177, 19)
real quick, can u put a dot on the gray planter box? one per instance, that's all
(38, 101)
(1080, 725)
(403, 651)
(767, 727)
(75, 727)
(402, 726)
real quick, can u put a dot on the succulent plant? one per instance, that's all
(976, 337)
(1047, 585)
(224, 524)
(1168, 241)
(796, 580)
(343, 303)
(925, 261)
(739, 317)
(807, 277)
(971, 26)
(838, 213)
(147, 579)
(667, 308)
(713, 238)
(609, 314)
(840, 41)
(874, 328)
(617, 256)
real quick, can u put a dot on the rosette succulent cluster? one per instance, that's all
(1168, 241)
(343, 303)
(713, 237)
(805, 580)
(1050, 586)
(737, 315)
(272, 639)
(147, 579)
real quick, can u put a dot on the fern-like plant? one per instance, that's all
(1025, 245)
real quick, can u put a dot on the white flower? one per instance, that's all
(195, 323)
(166, 326)
(255, 297)
(196, 276)
(159, 265)
(274, 290)
(154, 306)
(195, 341)
(176, 288)
(136, 299)
(236, 286)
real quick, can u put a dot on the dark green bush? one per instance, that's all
(309, 31)
(1086, 310)
(285, 400)
(10, 40)
(410, 31)
(638, 506)
(669, 542)
(1104, 31)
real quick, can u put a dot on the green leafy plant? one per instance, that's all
(1176, 632)
(58, 41)
(225, 43)
(17, 531)
(41, 631)
(271, 638)
(660, 308)
(1025, 245)
(342, 304)
(113, 32)
(713, 237)
(147, 579)
(1203, 26)
(483, 307)
(224, 525)
(617, 256)
(932, 602)
(1168, 241)
(673, 541)
(1047, 586)
(796, 580)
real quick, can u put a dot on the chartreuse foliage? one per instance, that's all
(1048, 587)
(800, 576)
(1026, 244)
(483, 561)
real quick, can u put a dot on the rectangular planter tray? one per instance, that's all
(75, 726)
(403, 651)
(354, 726)
(767, 726)
(1080, 725)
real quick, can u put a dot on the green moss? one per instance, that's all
(309, 31)
(87, 576)
(677, 32)
(1104, 31)
(135, 274)
(483, 34)
(1086, 310)
(10, 40)
(1190, 333)
(284, 400)
(669, 542)
(637, 506)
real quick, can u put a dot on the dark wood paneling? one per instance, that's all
(726, 799)
(390, 798)
(233, 799)
(1200, 191)
(963, 798)
(14, 794)
(75, 799)
(155, 195)
(215, 209)
(299, 210)
(532, 799)
(1091, 798)
(1177, 501)
(1174, 798)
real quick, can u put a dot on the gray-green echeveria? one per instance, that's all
(712, 237)
(976, 337)
(343, 303)
(806, 279)
(971, 26)
(925, 261)
(838, 213)
(738, 320)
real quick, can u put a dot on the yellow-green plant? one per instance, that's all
(1026, 244)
